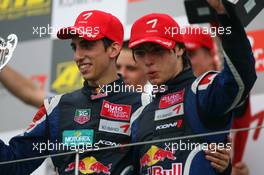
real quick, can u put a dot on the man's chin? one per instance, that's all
(155, 81)
(88, 77)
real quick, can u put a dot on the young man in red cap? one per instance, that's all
(189, 106)
(95, 116)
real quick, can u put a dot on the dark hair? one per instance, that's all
(125, 44)
(185, 60)
(107, 42)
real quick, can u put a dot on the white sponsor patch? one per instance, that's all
(115, 127)
(107, 142)
(172, 111)
(203, 85)
(206, 81)
(177, 124)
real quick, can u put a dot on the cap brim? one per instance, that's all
(70, 32)
(167, 43)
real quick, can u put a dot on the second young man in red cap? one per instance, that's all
(189, 106)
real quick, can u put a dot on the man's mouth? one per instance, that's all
(152, 74)
(84, 67)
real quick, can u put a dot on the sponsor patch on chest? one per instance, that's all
(78, 137)
(176, 124)
(173, 111)
(82, 116)
(116, 111)
(171, 99)
(115, 127)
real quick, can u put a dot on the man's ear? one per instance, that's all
(114, 50)
(179, 51)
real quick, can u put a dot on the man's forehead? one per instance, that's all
(148, 45)
(126, 58)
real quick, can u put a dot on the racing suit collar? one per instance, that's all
(181, 77)
(179, 80)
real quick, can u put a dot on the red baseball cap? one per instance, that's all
(94, 25)
(157, 28)
(196, 37)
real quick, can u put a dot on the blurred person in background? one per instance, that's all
(131, 71)
(203, 52)
(22, 87)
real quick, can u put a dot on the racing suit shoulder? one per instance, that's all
(25, 146)
(203, 81)
(220, 93)
(28, 143)
(145, 100)
(51, 102)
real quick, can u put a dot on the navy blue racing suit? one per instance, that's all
(84, 119)
(194, 106)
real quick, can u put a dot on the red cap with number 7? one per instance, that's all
(94, 25)
(157, 28)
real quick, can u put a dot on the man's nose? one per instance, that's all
(122, 71)
(78, 54)
(148, 60)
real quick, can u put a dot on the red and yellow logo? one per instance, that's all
(155, 155)
(90, 165)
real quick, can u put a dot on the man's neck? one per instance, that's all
(178, 69)
(107, 77)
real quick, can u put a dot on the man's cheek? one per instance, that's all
(137, 76)
(195, 61)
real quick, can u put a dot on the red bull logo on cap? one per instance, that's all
(90, 165)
